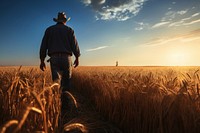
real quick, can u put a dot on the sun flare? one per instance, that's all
(178, 58)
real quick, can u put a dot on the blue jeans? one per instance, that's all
(62, 66)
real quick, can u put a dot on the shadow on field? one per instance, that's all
(80, 116)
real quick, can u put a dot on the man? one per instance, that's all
(59, 43)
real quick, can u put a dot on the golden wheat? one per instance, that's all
(136, 99)
(8, 124)
(72, 97)
(144, 99)
(75, 126)
(25, 116)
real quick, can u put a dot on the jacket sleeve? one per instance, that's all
(44, 46)
(74, 44)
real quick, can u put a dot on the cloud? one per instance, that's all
(196, 14)
(159, 41)
(182, 12)
(188, 37)
(171, 19)
(119, 10)
(87, 2)
(184, 21)
(176, 18)
(159, 24)
(170, 15)
(178, 23)
(192, 22)
(141, 26)
(95, 49)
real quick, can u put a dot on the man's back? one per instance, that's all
(59, 38)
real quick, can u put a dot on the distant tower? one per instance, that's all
(116, 63)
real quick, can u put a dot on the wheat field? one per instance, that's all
(134, 99)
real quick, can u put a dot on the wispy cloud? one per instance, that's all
(178, 18)
(189, 39)
(159, 41)
(192, 22)
(178, 23)
(120, 10)
(196, 14)
(159, 24)
(97, 48)
(174, 3)
(141, 26)
(186, 21)
(191, 36)
(170, 15)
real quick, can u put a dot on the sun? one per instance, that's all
(178, 58)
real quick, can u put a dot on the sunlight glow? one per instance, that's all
(178, 58)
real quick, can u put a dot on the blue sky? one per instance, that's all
(132, 32)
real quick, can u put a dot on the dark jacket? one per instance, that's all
(59, 38)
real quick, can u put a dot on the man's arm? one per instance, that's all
(74, 44)
(43, 51)
(76, 62)
(75, 48)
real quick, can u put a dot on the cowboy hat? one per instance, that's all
(61, 17)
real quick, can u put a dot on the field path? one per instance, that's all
(87, 115)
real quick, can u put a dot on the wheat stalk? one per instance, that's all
(45, 89)
(75, 126)
(28, 109)
(43, 110)
(72, 97)
(8, 124)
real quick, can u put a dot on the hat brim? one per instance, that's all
(61, 20)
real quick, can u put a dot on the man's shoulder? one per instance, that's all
(68, 27)
(57, 25)
(52, 26)
(49, 28)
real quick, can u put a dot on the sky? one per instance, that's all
(132, 32)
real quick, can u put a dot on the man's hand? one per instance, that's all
(76, 62)
(42, 66)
